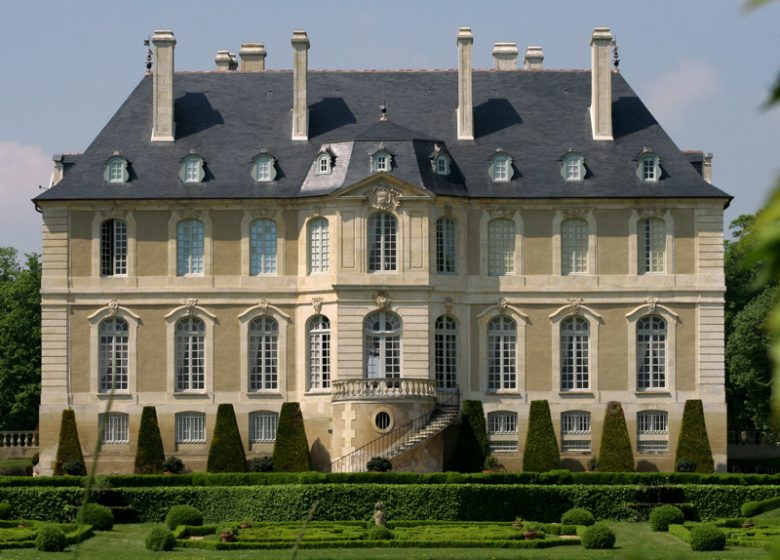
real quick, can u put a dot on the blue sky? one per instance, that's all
(703, 67)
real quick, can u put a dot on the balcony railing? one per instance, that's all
(383, 388)
(26, 439)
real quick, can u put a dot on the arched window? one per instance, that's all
(113, 248)
(189, 248)
(501, 247)
(263, 354)
(651, 353)
(445, 352)
(500, 168)
(113, 355)
(575, 348)
(116, 170)
(319, 245)
(652, 431)
(445, 246)
(651, 241)
(262, 247)
(262, 427)
(383, 345)
(649, 168)
(502, 353)
(574, 246)
(190, 354)
(382, 244)
(575, 431)
(319, 352)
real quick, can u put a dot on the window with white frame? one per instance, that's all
(189, 248)
(441, 165)
(114, 428)
(264, 168)
(502, 353)
(574, 246)
(501, 247)
(113, 248)
(445, 342)
(652, 245)
(381, 161)
(263, 354)
(262, 427)
(262, 247)
(651, 353)
(190, 354)
(192, 169)
(575, 354)
(116, 170)
(319, 246)
(114, 335)
(573, 168)
(502, 423)
(500, 169)
(445, 246)
(649, 168)
(319, 352)
(383, 345)
(575, 431)
(503, 446)
(382, 242)
(322, 166)
(652, 431)
(190, 427)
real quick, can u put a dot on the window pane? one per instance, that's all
(319, 353)
(445, 246)
(113, 355)
(652, 245)
(190, 427)
(651, 353)
(574, 246)
(262, 247)
(575, 431)
(445, 351)
(263, 354)
(192, 171)
(114, 428)
(189, 248)
(319, 246)
(262, 427)
(113, 248)
(575, 335)
(502, 340)
(190, 354)
(383, 345)
(652, 431)
(382, 242)
(501, 247)
(502, 423)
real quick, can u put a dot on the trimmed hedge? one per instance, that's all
(599, 536)
(694, 444)
(100, 517)
(663, 516)
(578, 516)
(159, 539)
(149, 455)
(291, 449)
(749, 509)
(50, 538)
(541, 446)
(69, 446)
(226, 453)
(183, 514)
(615, 454)
(707, 537)
(473, 447)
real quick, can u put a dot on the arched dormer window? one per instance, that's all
(191, 170)
(116, 170)
(440, 161)
(500, 169)
(323, 163)
(264, 167)
(381, 160)
(573, 167)
(648, 166)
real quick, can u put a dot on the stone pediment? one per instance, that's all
(383, 193)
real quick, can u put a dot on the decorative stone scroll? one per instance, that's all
(574, 305)
(382, 300)
(191, 304)
(113, 307)
(384, 197)
(316, 303)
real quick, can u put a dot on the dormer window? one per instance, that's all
(440, 161)
(116, 170)
(192, 169)
(500, 169)
(381, 160)
(264, 167)
(648, 167)
(573, 167)
(323, 164)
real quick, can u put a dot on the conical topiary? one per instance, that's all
(694, 444)
(149, 455)
(291, 449)
(616, 454)
(226, 453)
(473, 446)
(69, 447)
(541, 448)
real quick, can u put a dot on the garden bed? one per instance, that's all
(21, 533)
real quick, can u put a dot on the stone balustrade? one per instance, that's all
(383, 389)
(26, 439)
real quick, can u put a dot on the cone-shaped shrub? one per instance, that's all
(69, 446)
(473, 446)
(541, 447)
(694, 445)
(149, 456)
(616, 454)
(226, 453)
(291, 450)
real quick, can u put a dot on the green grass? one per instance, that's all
(771, 518)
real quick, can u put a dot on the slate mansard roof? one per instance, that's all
(534, 116)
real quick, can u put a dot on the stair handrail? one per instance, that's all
(382, 445)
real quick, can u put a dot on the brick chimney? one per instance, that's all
(601, 83)
(534, 58)
(252, 57)
(505, 56)
(162, 86)
(300, 110)
(465, 115)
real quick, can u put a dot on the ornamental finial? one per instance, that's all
(383, 111)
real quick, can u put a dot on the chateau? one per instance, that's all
(376, 246)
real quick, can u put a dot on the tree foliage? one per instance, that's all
(694, 444)
(20, 341)
(226, 453)
(615, 454)
(541, 448)
(69, 446)
(291, 449)
(473, 446)
(149, 455)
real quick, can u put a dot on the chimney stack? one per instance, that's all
(252, 57)
(534, 58)
(300, 112)
(505, 56)
(706, 168)
(601, 83)
(223, 61)
(162, 86)
(465, 40)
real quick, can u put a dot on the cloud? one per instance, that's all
(675, 92)
(22, 169)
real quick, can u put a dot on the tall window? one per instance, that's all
(262, 247)
(501, 247)
(113, 248)
(189, 248)
(445, 349)
(319, 245)
(502, 358)
(383, 345)
(575, 347)
(652, 245)
(319, 352)
(190, 427)
(445, 246)
(382, 245)
(190, 354)
(114, 426)
(263, 354)
(114, 336)
(574, 246)
(652, 431)
(575, 431)
(651, 353)
(262, 427)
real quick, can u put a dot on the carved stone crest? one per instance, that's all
(651, 302)
(574, 305)
(384, 197)
(382, 300)
(262, 305)
(255, 213)
(113, 307)
(501, 212)
(502, 305)
(316, 303)
(568, 213)
(191, 304)
(652, 212)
